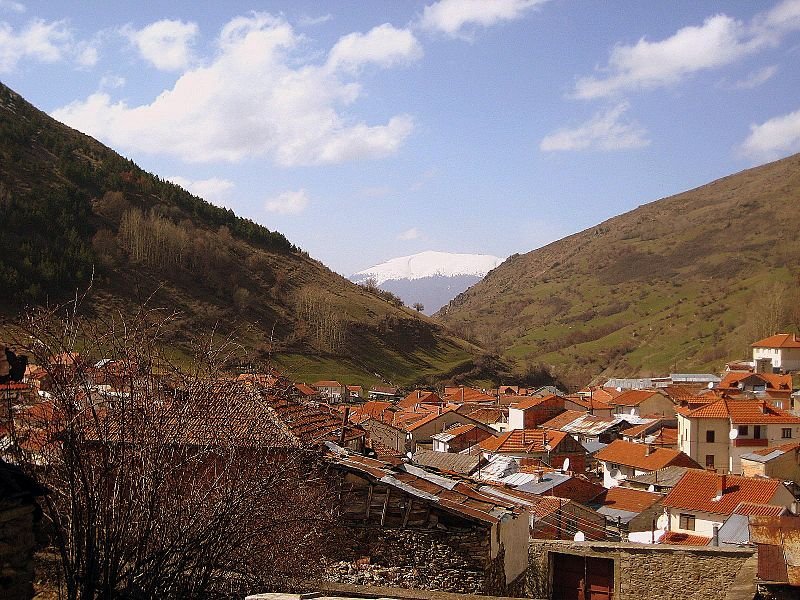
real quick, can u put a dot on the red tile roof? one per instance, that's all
(564, 419)
(419, 397)
(697, 489)
(487, 414)
(632, 397)
(526, 402)
(772, 381)
(742, 411)
(467, 394)
(684, 539)
(779, 340)
(783, 448)
(328, 383)
(767, 510)
(427, 419)
(527, 441)
(628, 499)
(636, 455)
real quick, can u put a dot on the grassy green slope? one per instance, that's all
(680, 284)
(74, 211)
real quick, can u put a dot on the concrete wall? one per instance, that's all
(644, 572)
(785, 467)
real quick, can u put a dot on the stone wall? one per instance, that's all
(659, 572)
(429, 559)
(16, 551)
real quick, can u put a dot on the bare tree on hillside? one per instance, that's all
(164, 482)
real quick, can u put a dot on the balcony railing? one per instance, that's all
(749, 442)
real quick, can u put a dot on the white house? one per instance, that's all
(783, 349)
(702, 500)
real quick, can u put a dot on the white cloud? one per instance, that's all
(306, 21)
(39, 40)
(755, 79)
(110, 82)
(214, 189)
(251, 100)
(604, 131)
(719, 41)
(44, 42)
(383, 45)
(779, 136)
(410, 234)
(11, 6)
(166, 44)
(288, 203)
(452, 16)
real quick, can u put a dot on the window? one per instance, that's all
(687, 522)
(710, 436)
(742, 429)
(710, 460)
(756, 432)
(786, 433)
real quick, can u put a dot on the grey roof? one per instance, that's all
(629, 384)
(735, 530)
(547, 483)
(447, 461)
(625, 516)
(763, 458)
(694, 377)
(593, 446)
(667, 477)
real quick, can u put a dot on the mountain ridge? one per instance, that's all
(77, 212)
(674, 282)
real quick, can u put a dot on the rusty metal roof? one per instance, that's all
(778, 540)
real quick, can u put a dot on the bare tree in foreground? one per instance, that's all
(164, 482)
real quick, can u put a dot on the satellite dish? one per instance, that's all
(614, 473)
(661, 523)
(651, 488)
(733, 433)
(710, 385)
(633, 411)
(579, 537)
(565, 466)
(548, 447)
(619, 389)
(409, 455)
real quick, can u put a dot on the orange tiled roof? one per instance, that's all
(418, 397)
(327, 384)
(466, 394)
(306, 390)
(767, 510)
(526, 402)
(771, 449)
(426, 419)
(742, 412)
(487, 414)
(635, 455)
(773, 381)
(527, 441)
(697, 489)
(632, 397)
(628, 499)
(592, 403)
(562, 420)
(684, 539)
(779, 340)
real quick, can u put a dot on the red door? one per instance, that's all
(582, 578)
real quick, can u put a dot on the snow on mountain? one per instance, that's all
(429, 264)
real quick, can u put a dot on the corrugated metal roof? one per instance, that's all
(447, 461)
(735, 531)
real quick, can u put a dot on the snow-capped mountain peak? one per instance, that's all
(429, 264)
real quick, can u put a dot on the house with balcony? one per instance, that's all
(718, 434)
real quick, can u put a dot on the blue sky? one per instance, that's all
(369, 130)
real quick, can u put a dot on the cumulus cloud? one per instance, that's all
(410, 234)
(45, 42)
(166, 44)
(719, 41)
(384, 46)
(38, 40)
(452, 17)
(779, 136)
(11, 6)
(214, 189)
(253, 99)
(755, 79)
(288, 203)
(110, 82)
(605, 131)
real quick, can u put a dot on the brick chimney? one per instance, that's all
(649, 450)
(722, 484)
